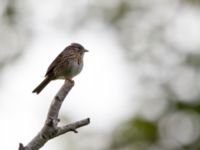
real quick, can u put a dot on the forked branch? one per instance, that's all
(51, 129)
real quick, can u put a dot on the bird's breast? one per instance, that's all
(72, 68)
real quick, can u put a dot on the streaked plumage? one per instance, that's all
(66, 65)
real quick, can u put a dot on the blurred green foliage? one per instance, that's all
(10, 12)
(14, 30)
(192, 2)
(188, 106)
(133, 133)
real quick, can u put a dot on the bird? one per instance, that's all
(66, 65)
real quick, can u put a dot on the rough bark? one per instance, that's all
(51, 129)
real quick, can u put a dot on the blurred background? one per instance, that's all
(140, 84)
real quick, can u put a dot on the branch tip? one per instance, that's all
(88, 120)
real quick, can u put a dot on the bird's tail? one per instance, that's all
(42, 85)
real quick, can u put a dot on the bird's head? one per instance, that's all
(79, 48)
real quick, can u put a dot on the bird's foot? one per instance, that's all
(70, 80)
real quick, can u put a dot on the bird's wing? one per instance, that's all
(65, 56)
(56, 61)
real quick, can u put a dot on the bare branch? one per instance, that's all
(50, 129)
(73, 126)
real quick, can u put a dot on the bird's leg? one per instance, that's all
(69, 79)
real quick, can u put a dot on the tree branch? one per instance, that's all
(50, 129)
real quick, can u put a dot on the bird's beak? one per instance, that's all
(85, 50)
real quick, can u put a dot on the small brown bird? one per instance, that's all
(66, 65)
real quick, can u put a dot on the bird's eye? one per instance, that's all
(80, 51)
(80, 48)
